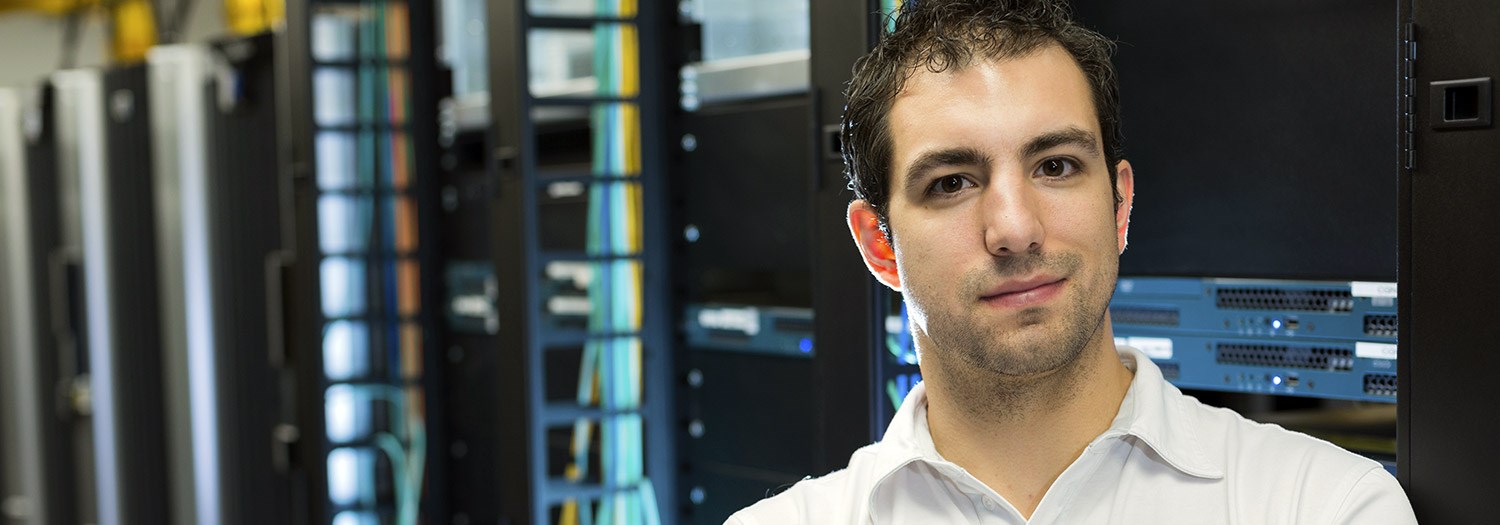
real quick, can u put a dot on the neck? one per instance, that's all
(1018, 434)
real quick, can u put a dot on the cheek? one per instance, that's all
(930, 248)
(1092, 225)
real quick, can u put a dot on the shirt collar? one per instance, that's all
(1159, 415)
(1153, 411)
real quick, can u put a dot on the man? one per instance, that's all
(982, 139)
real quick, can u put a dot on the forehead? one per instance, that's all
(991, 105)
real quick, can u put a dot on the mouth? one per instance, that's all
(1023, 293)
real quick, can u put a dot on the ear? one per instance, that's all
(1125, 185)
(874, 247)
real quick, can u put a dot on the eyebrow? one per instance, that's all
(1069, 136)
(963, 156)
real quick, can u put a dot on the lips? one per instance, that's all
(1024, 292)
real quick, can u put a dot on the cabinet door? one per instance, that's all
(1448, 285)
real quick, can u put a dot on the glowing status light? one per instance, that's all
(1276, 323)
(805, 345)
(1276, 380)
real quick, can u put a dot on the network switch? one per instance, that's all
(1305, 338)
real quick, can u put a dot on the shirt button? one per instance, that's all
(989, 504)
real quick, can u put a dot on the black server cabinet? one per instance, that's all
(256, 477)
(1447, 280)
(779, 317)
(43, 354)
(749, 426)
(469, 321)
(134, 366)
(102, 283)
(216, 117)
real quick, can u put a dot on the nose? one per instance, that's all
(1012, 220)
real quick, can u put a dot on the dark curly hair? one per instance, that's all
(943, 35)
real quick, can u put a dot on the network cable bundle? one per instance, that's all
(610, 370)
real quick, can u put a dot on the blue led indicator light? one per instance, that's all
(805, 345)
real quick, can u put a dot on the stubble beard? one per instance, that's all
(990, 365)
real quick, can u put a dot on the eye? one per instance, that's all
(949, 185)
(1057, 168)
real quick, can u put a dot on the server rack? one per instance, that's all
(361, 135)
(470, 321)
(748, 350)
(1250, 283)
(778, 321)
(118, 269)
(53, 360)
(214, 135)
(595, 320)
(38, 465)
(1224, 294)
(132, 369)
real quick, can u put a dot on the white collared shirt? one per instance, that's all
(1166, 459)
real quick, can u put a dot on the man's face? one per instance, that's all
(1005, 230)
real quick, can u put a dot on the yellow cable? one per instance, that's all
(248, 17)
(569, 513)
(134, 31)
(630, 84)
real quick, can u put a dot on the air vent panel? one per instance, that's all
(1304, 300)
(1286, 356)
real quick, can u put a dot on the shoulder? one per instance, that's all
(1310, 477)
(1246, 446)
(838, 497)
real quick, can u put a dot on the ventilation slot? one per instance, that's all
(1144, 316)
(1380, 384)
(1281, 299)
(1381, 325)
(1283, 356)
